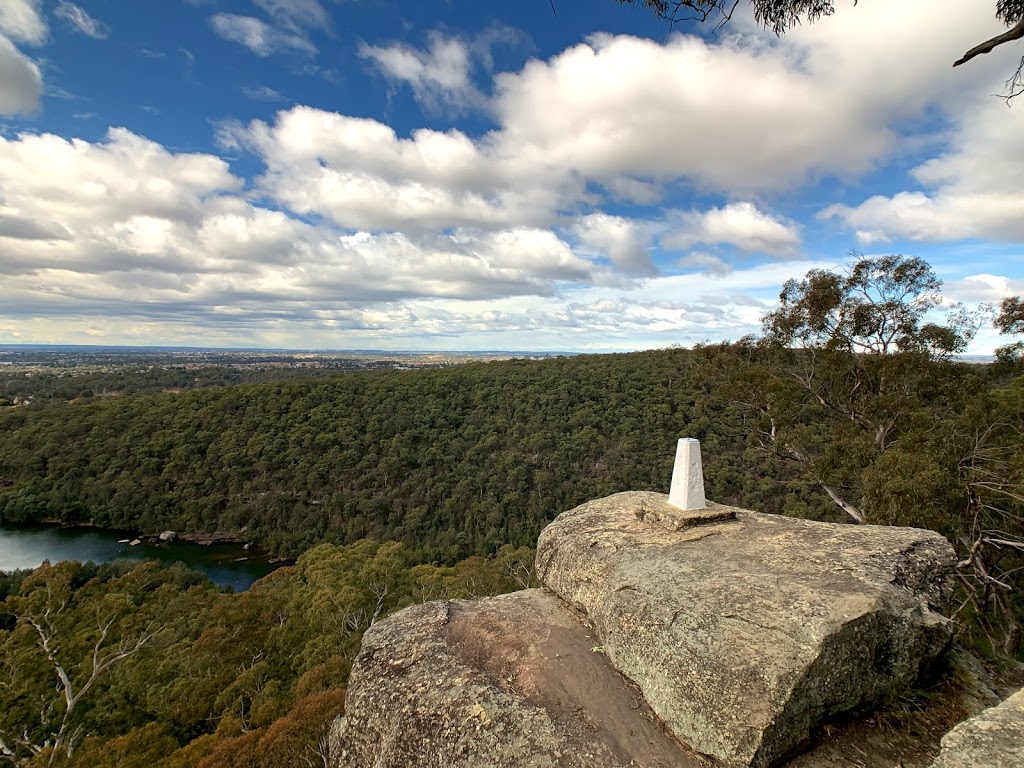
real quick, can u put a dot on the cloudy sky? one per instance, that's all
(455, 174)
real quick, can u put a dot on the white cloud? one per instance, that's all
(163, 245)
(81, 21)
(745, 112)
(360, 174)
(983, 288)
(258, 36)
(739, 224)
(263, 93)
(663, 310)
(650, 116)
(21, 83)
(439, 77)
(124, 228)
(625, 241)
(708, 263)
(499, 239)
(125, 175)
(633, 117)
(21, 21)
(970, 191)
(296, 14)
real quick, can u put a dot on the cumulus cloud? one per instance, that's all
(824, 105)
(77, 18)
(983, 288)
(826, 100)
(378, 234)
(125, 227)
(970, 191)
(624, 241)
(21, 83)
(663, 310)
(21, 21)
(163, 244)
(359, 173)
(739, 224)
(439, 76)
(259, 37)
(708, 263)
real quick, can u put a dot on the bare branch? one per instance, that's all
(1016, 32)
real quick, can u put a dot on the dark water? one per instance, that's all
(224, 564)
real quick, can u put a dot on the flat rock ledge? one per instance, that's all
(747, 631)
(993, 739)
(504, 682)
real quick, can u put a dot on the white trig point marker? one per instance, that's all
(687, 476)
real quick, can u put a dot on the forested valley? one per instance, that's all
(403, 486)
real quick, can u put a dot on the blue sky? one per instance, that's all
(465, 175)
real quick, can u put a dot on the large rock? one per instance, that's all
(745, 631)
(516, 681)
(993, 739)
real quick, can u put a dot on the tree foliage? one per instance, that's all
(854, 363)
(452, 462)
(877, 306)
(1010, 321)
(120, 665)
(865, 400)
(777, 15)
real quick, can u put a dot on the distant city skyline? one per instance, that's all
(461, 176)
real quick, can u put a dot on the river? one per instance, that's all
(224, 564)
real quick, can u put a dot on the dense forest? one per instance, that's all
(452, 462)
(135, 666)
(850, 406)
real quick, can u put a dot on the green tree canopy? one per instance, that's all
(1010, 321)
(877, 306)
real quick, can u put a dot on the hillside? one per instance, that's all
(452, 462)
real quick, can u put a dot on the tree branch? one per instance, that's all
(1016, 32)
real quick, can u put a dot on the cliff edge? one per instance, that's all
(663, 638)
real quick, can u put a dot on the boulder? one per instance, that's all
(168, 536)
(745, 631)
(516, 681)
(993, 739)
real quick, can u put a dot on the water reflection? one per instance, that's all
(224, 564)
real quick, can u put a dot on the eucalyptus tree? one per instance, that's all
(1010, 321)
(855, 388)
(71, 630)
(849, 362)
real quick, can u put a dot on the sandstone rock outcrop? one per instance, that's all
(666, 635)
(509, 681)
(993, 739)
(746, 633)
